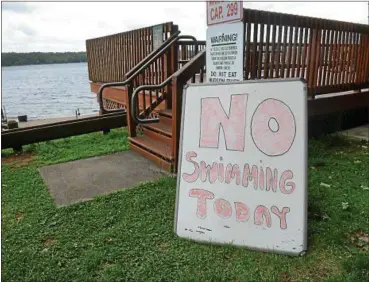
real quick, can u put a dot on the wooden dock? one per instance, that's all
(48, 121)
(42, 131)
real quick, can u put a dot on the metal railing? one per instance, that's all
(134, 115)
(143, 64)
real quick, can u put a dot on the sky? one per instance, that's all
(64, 26)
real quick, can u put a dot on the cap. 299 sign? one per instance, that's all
(219, 12)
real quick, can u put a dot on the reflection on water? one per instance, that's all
(43, 91)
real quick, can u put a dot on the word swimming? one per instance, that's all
(223, 208)
(261, 178)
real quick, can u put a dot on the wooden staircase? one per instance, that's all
(155, 142)
(149, 89)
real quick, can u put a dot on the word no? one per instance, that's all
(272, 128)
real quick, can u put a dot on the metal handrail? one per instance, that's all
(134, 100)
(154, 87)
(153, 53)
(150, 58)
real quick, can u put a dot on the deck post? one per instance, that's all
(313, 63)
(130, 122)
(177, 87)
(172, 66)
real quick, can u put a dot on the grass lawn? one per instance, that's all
(128, 235)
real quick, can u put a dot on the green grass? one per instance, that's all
(77, 147)
(128, 235)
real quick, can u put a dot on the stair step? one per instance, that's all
(166, 113)
(159, 148)
(161, 127)
(157, 136)
(166, 120)
(164, 164)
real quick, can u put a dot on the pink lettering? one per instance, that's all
(250, 176)
(202, 196)
(281, 215)
(273, 127)
(271, 182)
(213, 116)
(242, 212)
(260, 213)
(209, 172)
(223, 208)
(286, 175)
(231, 172)
(261, 178)
(221, 172)
(193, 176)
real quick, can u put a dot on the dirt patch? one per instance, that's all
(18, 159)
(107, 265)
(163, 247)
(284, 277)
(19, 216)
(49, 241)
(360, 240)
(362, 147)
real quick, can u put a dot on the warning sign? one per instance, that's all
(224, 54)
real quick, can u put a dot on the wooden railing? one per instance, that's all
(111, 57)
(179, 80)
(332, 56)
(186, 51)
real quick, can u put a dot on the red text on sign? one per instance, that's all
(262, 215)
(216, 13)
(272, 127)
(258, 177)
(232, 9)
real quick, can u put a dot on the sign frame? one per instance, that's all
(240, 3)
(154, 42)
(305, 178)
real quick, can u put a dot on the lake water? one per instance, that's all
(45, 91)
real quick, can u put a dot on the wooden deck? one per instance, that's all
(119, 96)
(331, 56)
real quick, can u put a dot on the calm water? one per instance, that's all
(44, 91)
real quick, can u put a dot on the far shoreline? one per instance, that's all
(43, 64)
(42, 58)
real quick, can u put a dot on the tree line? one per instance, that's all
(38, 58)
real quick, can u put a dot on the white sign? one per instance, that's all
(224, 53)
(223, 12)
(242, 175)
(157, 36)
